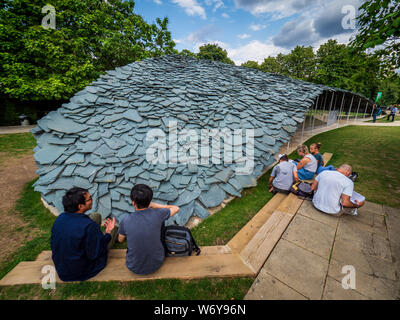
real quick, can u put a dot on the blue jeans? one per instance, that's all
(374, 116)
(305, 174)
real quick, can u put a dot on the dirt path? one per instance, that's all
(14, 174)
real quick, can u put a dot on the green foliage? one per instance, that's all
(299, 63)
(336, 65)
(187, 53)
(271, 64)
(214, 52)
(251, 64)
(91, 36)
(379, 25)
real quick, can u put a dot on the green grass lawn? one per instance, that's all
(372, 151)
(15, 145)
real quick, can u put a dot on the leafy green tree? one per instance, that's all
(332, 64)
(251, 64)
(90, 37)
(300, 63)
(271, 64)
(215, 53)
(188, 53)
(390, 88)
(379, 25)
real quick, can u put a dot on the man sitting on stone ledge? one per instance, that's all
(142, 230)
(79, 248)
(334, 192)
(283, 175)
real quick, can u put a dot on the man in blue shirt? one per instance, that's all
(79, 248)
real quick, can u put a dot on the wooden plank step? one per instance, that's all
(327, 157)
(121, 253)
(194, 267)
(240, 240)
(261, 245)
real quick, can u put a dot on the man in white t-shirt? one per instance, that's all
(333, 190)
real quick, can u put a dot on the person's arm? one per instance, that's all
(270, 187)
(296, 176)
(121, 232)
(303, 162)
(345, 200)
(96, 242)
(121, 238)
(173, 209)
(314, 186)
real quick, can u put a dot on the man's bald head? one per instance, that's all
(346, 169)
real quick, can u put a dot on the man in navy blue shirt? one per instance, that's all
(79, 248)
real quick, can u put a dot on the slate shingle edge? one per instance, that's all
(97, 140)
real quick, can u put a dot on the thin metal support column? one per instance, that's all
(340, 110)
(358, 108)
(316, 106)
(365, 112)
(348, 113)
(330, 108)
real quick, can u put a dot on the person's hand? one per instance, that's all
(271, 189)
(357, 203)
(109, 224)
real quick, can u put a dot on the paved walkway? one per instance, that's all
(16, 129)
(308, 260)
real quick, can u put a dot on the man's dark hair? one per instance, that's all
(284, 158)
(74, 197)
(142, 195)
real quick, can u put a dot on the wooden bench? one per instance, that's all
(243, 256)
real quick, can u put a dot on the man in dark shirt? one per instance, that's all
(79, 248)
(142, 229)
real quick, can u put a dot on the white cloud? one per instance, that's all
(192, 8)
(278, 7)
(257, 27)
(254, 50)
(217, 4)
(317, 25)
(225, 15)
(244, 36)
(158, 1)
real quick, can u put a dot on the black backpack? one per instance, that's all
(302, 190)
(178, 241)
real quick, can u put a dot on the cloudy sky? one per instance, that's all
(253, 29)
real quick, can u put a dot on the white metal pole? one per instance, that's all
(355, 119)
(365, 112)
(348, 113)
(316, 106)
(330, 108)
(341, 107)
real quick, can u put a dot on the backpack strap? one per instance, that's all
(196, 247)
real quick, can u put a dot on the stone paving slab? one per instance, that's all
(308, 210)
(318, 241)
(364, 241)
(334, 291)
(369, 242)
(359, 257)
(298, 268)
(370, 286)
(393, 224)
(267, 287)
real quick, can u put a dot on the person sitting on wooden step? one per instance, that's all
(142, 230)
(79, 247)
(283, 175)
